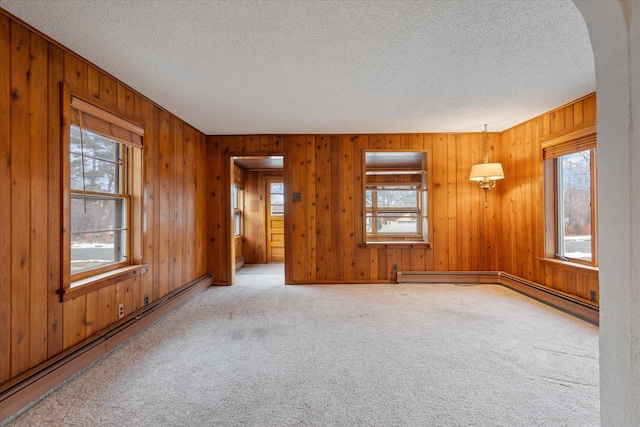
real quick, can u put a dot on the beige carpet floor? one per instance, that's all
(264, 354)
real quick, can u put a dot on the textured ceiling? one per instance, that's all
(237, 67)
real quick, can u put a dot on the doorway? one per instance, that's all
(262, 236)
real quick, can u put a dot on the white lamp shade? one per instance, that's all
(486, 172)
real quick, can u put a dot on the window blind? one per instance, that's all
(571, 143)
(97, 120)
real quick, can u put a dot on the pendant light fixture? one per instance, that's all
(486, 174)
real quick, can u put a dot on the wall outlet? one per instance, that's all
(593, 296)
(146, 300)
(121, 310)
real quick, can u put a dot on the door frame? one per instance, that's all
(227, 181)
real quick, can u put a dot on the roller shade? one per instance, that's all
(97, 120)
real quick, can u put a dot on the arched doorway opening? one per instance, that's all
(613, 29)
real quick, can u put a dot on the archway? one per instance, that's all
(614, 30)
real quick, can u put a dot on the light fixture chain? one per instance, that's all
(485, 146)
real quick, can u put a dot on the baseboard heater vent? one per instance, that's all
(483, 277)
(575, 306)
(568, 303)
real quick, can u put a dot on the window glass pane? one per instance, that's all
(101, 172)
(574, 206)
(369, 224)
(92, 250)
(76, 171)
(99, 176)
(234, 197)
(236, 224)
(97, 235)
(276, 198)
(277, 187)
(100, 213)
(369, 199)
(397, 198)
(394, 223)
(94, 145)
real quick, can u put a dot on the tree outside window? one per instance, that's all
(574, 210)
(98, 201)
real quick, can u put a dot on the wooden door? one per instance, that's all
(275, 219)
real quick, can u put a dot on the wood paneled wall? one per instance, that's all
(36, 326)
(522, 198)
(324, 234)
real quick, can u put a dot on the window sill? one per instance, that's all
(569, 264)
(93, 283)
(402, 244)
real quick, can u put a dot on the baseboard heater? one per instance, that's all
(21, 391)
(560, 300)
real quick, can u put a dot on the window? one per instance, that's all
(393, 209)
(574, 207)
(572, 167)
(102, 188)
(237, 204)
(395, 196)
(276, 202)
(99, 201)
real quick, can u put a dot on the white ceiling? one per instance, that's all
(361, 66)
